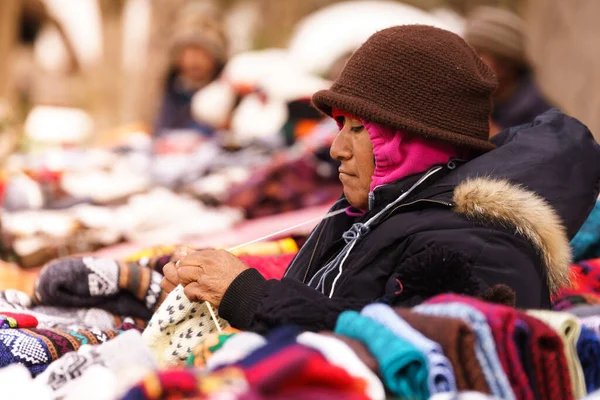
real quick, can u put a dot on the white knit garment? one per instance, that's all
(177, 327)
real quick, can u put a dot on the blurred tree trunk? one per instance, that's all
(9, 23)
(563, 47)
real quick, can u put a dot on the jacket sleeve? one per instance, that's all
(474, 259)
(255, 304)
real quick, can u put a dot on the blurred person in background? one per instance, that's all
(198, 54)
(497, 35)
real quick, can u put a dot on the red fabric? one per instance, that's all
(550, 363)
(271, 267)
(298, 367)
(585, 280)
(501, 320)
(23, 320)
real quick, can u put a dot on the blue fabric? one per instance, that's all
(588, 351)
(403, 367)
(441, 375)
(586, 244)
(485, 347)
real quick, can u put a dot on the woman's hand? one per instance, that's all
(207, 274)
(171, 280)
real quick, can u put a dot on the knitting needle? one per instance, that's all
(319, 218)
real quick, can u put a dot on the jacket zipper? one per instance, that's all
(312, 256)
(444, 203)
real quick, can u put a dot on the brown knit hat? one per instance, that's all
(420, 79)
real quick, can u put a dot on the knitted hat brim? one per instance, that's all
(325, 100)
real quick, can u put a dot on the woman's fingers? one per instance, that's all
(193, 292)
(188, 275)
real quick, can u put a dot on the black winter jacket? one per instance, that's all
(505, 217)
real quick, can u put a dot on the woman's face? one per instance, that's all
(353, 148)
(196, 64)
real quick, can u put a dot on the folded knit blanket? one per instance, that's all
(38, 348)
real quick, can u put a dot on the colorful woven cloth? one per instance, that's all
(17, 320)
(210, 344)
(37, 348)
(585, 279)
(501, 320)
(118, 287)
(586, 244)
(588, 351)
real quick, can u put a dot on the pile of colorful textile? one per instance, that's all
(106, 330)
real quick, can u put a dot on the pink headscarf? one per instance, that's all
(399, 154)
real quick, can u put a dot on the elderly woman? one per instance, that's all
(431, 205)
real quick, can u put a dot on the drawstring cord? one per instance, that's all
(353, 235)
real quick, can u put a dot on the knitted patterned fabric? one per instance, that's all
(501, 320)
(209, 345)
(586, 244)
(402, 366)
(588, 351)
(235, 349)
(568, 329)
(549, 360)
(37, 348)
(458, 342)
(585, 280)
(118, 287)
(485, 347)
(177, 327)
(48, 317)
(441, 375)
(445, 86)
(124, 351)
(17, 320)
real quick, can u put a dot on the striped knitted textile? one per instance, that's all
(441, 375)
(549, 360)
(38, 348)
(568, 328)
(457, 340)
(402, 367)
(485, 347)
(501, 320)
(588, 351)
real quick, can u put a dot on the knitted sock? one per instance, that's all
(121, 288)
(523, 341)
(441, 375)
(568, 328)
(17, 320)
(402, 366)
(588, 350)
(235, 349)
(340, 354)
(485, 348)
(210, 345)
(177, 327)
(126, 349)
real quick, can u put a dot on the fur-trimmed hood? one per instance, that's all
(497, 201)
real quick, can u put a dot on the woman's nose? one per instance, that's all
(340, 148)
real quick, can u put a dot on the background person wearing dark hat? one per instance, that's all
(199, 53)
(497, 35)
(429, 205)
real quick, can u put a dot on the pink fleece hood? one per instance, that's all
(399, 154)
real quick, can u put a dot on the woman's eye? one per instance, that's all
(357, 129)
